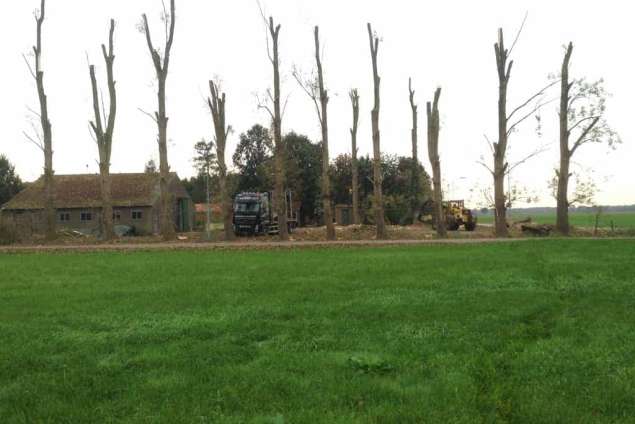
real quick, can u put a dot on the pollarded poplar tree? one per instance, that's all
(378, 205)
(499, 149)
(435, 162)
(280, 198)
(161, 67)
(414, 183)
(354, 96)
(217, 104)
(104, 136)
(317, 92)
(44, 141)
(323, 116)
(581, 116)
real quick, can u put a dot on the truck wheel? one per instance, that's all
(470, 226)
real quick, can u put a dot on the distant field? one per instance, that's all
(578, 219)
(532, 331)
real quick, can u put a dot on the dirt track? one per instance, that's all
(250, 245)
(302, 238)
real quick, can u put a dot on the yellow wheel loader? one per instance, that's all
(456, 215)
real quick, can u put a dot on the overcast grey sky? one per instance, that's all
(446, 43)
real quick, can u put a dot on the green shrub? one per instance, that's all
(397, 209)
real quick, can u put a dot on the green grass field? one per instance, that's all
(624, 220)
(533, 331)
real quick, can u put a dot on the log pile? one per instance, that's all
(540, 230)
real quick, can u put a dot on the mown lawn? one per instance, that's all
(617, 220)
(530, 332)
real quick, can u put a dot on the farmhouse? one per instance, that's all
(135, 199)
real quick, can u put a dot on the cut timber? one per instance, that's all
(537, 229)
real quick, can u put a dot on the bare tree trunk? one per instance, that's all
(435, 162)
(377, 173)
(562, 220)
(326, 182)
(166, 221)
(226, 204)
(107, 224)
(500, 148)
(166, 215)
(280, 198)
(354, 95)
(595, 130)
(46, 143)
(104, 137)
(217, 108)
(414, 184)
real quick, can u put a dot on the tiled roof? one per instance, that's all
(84, 191)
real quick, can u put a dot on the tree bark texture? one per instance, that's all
(500, 148)
(280, 198)
(161, 66)
(104, 136)
(377, 173)
(354, 96)
(414, 183)
(326, 181)
(47, 132)
(217, 104)
(562, 219)
(435, 162)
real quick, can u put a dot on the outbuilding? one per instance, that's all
(135, 200)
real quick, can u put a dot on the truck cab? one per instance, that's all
(254, 215)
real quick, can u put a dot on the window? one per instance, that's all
(116, 216)
(137, 215)
(65, 216)
(247, 207)
(86, 216)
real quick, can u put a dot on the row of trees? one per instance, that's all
(253, 170)
(103, 125)
(581, 113)
(581, 119)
